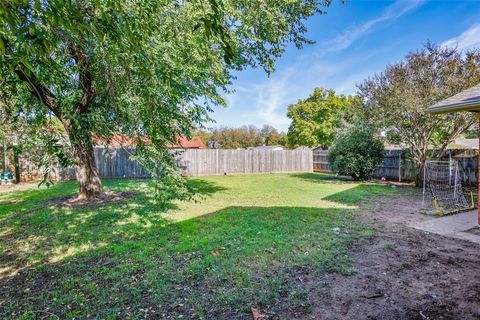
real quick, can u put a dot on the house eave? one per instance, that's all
(472, 106)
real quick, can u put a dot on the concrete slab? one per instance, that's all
(452, 226)
(468, 236)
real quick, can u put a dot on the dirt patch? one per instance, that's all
(402, 273)
(99, 200)
(71, 201)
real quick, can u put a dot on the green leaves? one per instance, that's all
(394, 102)
(243, 137)
(315, 119)
(54, 153)
(356, 153)
(151, 69)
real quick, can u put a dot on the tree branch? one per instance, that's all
(38, 90)
(85, 80)
(452, 135)
(85, 76)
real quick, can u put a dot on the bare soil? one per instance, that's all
(98, 201)
(402, 273)
(72, 201)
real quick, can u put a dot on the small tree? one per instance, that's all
(356, 154)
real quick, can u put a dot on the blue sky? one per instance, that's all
(353, 40)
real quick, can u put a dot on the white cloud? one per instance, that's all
(271, 96)
(468, 39)
(395, 11)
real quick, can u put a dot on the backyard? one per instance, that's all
(241, 243)
(295, 245)
(161, 160)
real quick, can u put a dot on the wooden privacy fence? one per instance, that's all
(197, 162)
(116, 163)
(393, 167)
(396, 167)
(111, 163)
(320, 161)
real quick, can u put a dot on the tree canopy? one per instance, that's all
(315, 119)
(149, 68)
(394, 101)
(242, 137)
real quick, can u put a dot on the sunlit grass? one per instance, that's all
(248, 232)
(305, 190)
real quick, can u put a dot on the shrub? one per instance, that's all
(356, 153)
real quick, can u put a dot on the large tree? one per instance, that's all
(149, 69)
(395, 100)
(315, 119)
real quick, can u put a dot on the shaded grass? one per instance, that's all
(133, 260)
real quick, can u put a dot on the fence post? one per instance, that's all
(400, 166)
(245, 163)
(450, 167)
(424, 182)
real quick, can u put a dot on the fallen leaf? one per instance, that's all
(257, 315)
(215, 253)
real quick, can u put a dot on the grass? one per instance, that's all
(242, 242)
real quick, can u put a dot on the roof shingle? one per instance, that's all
(467, 100)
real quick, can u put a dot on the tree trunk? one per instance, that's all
(16, 165)
(86, 172)
(419, 177)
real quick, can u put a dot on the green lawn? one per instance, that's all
(240, 243)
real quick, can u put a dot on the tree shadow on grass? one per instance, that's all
(126, 260)
(59, 194)
(361, 191)
(214, 267)
(35, 231)
(323, 178)
(204, 187)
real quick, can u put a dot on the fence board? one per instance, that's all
(116, 163)
(196, 162)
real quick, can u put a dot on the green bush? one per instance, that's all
(356, 154)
